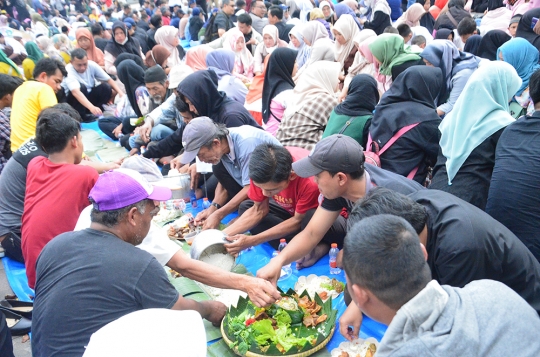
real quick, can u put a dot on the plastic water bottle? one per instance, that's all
(287, 268)
(193, 198)
(333, 259)
(205, 203)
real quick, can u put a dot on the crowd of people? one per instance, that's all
(402, 131)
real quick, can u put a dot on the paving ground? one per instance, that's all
(20, 349)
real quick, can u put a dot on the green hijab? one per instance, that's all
(5, 59)
(34, 53)
(390, 50)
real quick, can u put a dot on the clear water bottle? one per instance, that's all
(333, 259)
(287, 268)
(205, 203)
(193, 198)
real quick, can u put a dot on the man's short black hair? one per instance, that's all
(54, 130)
(270, 163)
(78, 53)
(240, 3)
(391, 29)
(67, 109)
(107, 13)
(383, 254)
(418, 40)
(276, 11)
(244, 19)
(466, 26)
(181, 105)
(49, 66)
(97, 30)
(404, 30)
(126, 6)
(381, 200)
(9, 84)
(534, 87)
(156, 21)
(456, 3)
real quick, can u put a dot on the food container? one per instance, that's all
(180, 185)
(208, 246)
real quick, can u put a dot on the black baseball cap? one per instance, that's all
(336, 153)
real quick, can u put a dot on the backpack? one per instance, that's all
(373, 153)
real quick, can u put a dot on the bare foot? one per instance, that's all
(317, 253)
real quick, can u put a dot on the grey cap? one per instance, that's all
(336, 153)
(198, 132)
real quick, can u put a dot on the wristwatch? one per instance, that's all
(215, 204)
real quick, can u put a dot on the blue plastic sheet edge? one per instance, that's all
(16, 276)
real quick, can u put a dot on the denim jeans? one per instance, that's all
(159, 132)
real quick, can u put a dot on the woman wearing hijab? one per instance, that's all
(270, 43)
(63, 45)
(444, 34)
(322, 48)
(243, 60)
(46, 46)
(159, 55)
(196, 57)
(427, 19)
(121, 42)
(409, 106)
(345, 30)
(221, 61)
(389, 51)
(353, 116)
(380, 16)
(524, 58)
(491, 42)
(277, 88)
(525, 28)
(469, 134)
(39, 26)
(167, 36)
(328, 11)
(85, 40)
(472, 44)
(297, 43)
(457, 68)
(342, 9)
(412, 16)
(317, 15)
(311, 103)
(8, 67)
(29, 63)
(360, 64)
(453, 16)
(305, 6)
(497, 17)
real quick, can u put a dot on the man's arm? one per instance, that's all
(249, 218)
(213, 311)
(115, 87)
(233, 204)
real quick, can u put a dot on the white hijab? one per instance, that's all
(348, 28)
(165, 36)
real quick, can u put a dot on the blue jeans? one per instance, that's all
(159, 132)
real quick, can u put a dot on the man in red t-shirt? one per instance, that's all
(57, 187)
(281, 203)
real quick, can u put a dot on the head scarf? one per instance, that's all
(472, 44)
(363, 48)
(445, 55)
(413, 14)
(277, 78)
(491, 42)
(166, 36)
(326, 3)
(319, 80)
(274, 32)
(132, 76)
(414, 91)
(292, 7)
(378, 5)
(442, 34)
(221, 61)
(129, 56)
(3, 21)
(346, 26)
(342, 9)
(48, 48)
(33, 51)
(93, 53)
(389, 49)
(158, 55)
(243, 59)
(305, 6)
(5, 59)
(130, 46)
(63, 42)
(316, 14)
(523, 57)
(480, 111)
(525, 30)
(196, 57)
(37, 18)
(362, 97)
(360, 61)
(312, 31)
(201, 90)
(304, 50)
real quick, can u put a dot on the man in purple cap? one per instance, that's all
(89, 278)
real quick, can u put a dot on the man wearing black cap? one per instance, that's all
(337, 162)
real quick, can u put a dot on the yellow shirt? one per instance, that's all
(28, 100)
(7, 69)
(65, 56)
(28, 68)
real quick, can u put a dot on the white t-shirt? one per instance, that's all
(156, 241)
(88, 78)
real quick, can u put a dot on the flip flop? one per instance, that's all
(17, 324)
(22, 308)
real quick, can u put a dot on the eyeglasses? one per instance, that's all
(260, 7)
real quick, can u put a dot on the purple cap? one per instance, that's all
(123, 187)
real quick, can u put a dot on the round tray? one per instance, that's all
(317, 348)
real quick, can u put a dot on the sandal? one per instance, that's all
(22, 308)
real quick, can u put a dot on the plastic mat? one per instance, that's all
(16, 276)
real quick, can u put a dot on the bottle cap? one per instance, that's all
(282, 240)
(205, 199)
(334, 245)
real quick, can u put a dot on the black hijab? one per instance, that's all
(410, 99)
(362, 97)
(524, 29)
(443, 33)
(491, 42)
(129, 56)
(472, 44)
(278, 77)
(201, 88)
(132, 76)
(131, 46)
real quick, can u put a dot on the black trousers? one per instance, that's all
(99, 96)
(6, 344)
(226, 180)
(108, 124)
(277, 214)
